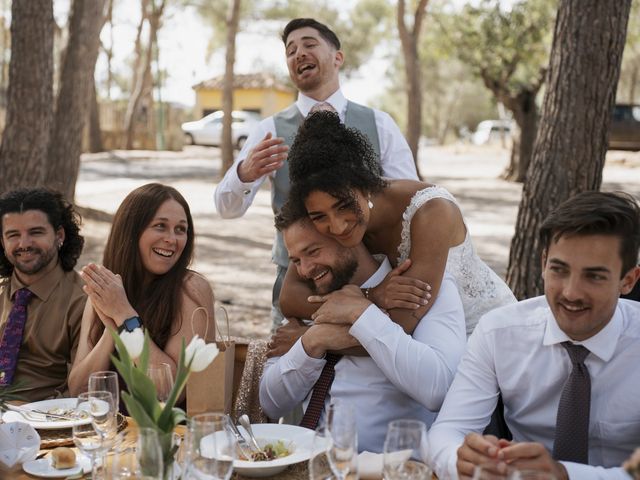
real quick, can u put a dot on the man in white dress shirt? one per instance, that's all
(525, 352)
(314, 59)
(404, 376)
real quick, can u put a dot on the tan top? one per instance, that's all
(51, 333)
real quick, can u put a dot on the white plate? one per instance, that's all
(42, 468)
(300, 439)
(45, 406)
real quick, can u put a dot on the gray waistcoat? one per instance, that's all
(287, 123)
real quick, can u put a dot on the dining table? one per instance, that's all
(129, 438)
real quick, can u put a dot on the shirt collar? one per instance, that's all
(602, 344)
(43, 287)
(337, 101)
(380, 274)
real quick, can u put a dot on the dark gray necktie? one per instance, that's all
(572, 423)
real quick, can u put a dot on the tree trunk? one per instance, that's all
(571, 143)
(635, 79)
(95, 132)
(525, 114)
(409, 39)
(233, 19)
(72, 106)
(23, 152)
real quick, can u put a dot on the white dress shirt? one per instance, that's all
(233, 197)
(404, 377)
(516, 350)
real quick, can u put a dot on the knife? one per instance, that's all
(244, 447)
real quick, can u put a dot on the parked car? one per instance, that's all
(208, 130)
(491, 131)
(624, 131)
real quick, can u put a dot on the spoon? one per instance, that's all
(246, 423)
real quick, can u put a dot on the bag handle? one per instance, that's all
(216, 328)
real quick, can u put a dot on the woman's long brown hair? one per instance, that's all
(157, 299)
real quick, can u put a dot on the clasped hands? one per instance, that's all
(107, 295)
(487, 449)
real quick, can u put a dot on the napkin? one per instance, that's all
(19, 443)
(370, 464)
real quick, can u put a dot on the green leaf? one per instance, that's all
(144, 356)
(182, 374)
(137, 411)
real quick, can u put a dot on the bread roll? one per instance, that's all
(63, 457)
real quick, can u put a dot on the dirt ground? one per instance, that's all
(235, 254)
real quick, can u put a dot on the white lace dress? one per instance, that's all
(480, 288)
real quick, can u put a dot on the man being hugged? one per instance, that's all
(403, 377)
(566, 363)
(41, 297)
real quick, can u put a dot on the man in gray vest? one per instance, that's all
(314, 59)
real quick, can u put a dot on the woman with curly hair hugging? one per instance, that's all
(144, 280)
(336, 177)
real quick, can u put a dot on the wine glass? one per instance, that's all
(161, 376)
(319, 465)
(142, 462)
(341, 425)
(404, 446)
(106, 381)
(495, 471)
(212, 448)
(89, 436)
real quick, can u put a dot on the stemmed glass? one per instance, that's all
(341, 425)
(144, 462)
(106, 381)
(89, 437)
(211, 448)
(405, 443)
(319, 465)
(161, 376)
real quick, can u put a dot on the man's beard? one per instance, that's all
(45, 258)
(341, 272)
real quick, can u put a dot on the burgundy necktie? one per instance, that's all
(320, 389)
(572, 423)
(12, 336)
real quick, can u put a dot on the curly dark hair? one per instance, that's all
(327, 156)
(60, 214)
(324, 31)
(597, 213)
(157, 300)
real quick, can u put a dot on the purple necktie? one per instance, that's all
(12, 337)
(320, 389)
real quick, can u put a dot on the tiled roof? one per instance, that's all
(251, 80)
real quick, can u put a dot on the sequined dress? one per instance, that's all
(480, 288)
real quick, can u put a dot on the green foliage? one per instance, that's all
(506, 46)
(359, 28)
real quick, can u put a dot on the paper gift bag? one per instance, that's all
(211, 390)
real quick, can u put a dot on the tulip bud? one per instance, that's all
(198, 354)
(133, 342)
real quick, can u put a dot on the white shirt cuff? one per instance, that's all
(369, 325)
(297, 359)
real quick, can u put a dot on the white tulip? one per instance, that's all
(200, 354)
(133, 342)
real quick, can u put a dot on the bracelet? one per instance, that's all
(366, 292)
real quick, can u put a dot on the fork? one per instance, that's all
(242, 443)
(28, 414)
